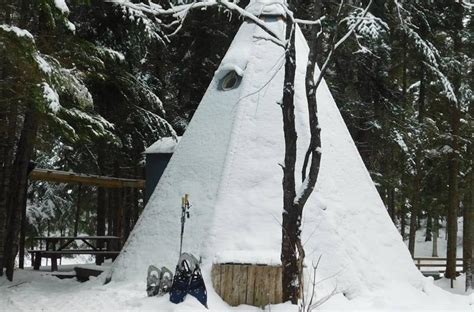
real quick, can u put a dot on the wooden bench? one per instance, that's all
(434, 262)
(37, 255)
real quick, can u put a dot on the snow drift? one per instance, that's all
(228, 162)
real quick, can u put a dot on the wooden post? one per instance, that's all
(127, 215)
(21, 256)
(118, 214)
(110, 205)
(54, 263)
(37, 263)
(101, 201)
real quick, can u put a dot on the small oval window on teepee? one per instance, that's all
(230, 81)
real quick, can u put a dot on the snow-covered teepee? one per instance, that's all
(228, 161)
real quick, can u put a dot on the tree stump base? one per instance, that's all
(253, 284)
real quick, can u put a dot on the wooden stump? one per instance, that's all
(252, 284)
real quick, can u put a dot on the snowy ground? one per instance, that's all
(40, 291)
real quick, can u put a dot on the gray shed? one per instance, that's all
(157, 157)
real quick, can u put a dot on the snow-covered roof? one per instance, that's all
(165, 145)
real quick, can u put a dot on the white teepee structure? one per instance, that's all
(228, 161)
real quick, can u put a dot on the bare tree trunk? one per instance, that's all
(456, 13)
(292, 252)
(435, 237)
(403, 220)
(466, 237)
(391, 204)
(469, 282)
(8, 153)
(468, 242)
(415, 208)
(413, 215)
(429, 227)
(453, 197)
(21, 255)
(289, 257)
(19, 182)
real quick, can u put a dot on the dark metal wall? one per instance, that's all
(155, 166)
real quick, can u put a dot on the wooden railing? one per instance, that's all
(426, 262)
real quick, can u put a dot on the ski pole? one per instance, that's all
(184, 214)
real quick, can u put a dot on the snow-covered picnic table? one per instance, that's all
(57, 246)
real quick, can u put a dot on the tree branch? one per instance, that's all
(178, 12)
(314, 149)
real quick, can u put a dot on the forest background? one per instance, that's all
(86, 86)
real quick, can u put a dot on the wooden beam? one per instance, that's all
(87, 179)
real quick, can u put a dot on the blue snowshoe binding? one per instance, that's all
(188, 280)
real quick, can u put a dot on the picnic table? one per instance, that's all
(57, 246)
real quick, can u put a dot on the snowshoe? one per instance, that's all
(197, 288)
(153, 281)
(166, 281)
(188, 280)
(182, 277)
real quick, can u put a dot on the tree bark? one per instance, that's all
(8, 154)
(435, 237)
(21, 255)
(453, 197)
(18, 181)
(413, 216)
(101, 204)
(429, 227)
(127, 215)
(415, 207)
(289, 256)
(293, 254)
(466, 236)
(469, 282)
(403, 222)
(455, 13)
(391, 204)
(468, 242)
